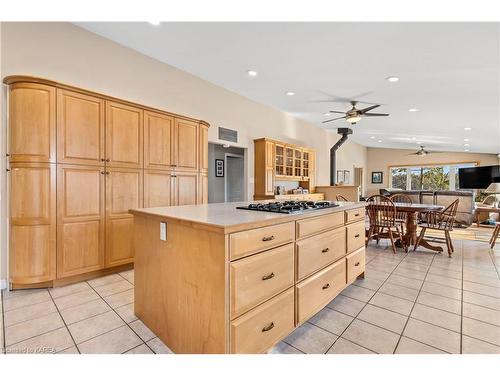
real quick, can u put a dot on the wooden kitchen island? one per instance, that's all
(214, 279)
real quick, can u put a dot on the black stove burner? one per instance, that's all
(288, 207)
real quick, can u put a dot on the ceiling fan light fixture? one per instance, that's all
(353, 119)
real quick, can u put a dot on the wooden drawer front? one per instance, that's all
(255, 240)
(354, 215)
(316, 252)
(319, 224)
(355, 265)
(316, 291)
(259, 277)
(261, 328)
(355, 236)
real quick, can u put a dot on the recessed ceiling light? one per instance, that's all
(392, 79)
(412, 110)
(466, 139)
(466, 145)
(467, 129)
(372, 137)
(252, 73)
(290, 93)
(327, 114)
(155, 23)
(379, 141)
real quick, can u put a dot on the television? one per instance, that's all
(478, 177)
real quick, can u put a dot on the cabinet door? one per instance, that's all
(158, 137)
(186, 145)
(32, 123)
(80, 219)
(185, 187)
(123, 192)
(158, 189)
(80, 128)
(269, 155)
(124, 132)
(32, 223)
(203, 148)
(202, 188)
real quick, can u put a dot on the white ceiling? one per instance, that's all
(449, 71)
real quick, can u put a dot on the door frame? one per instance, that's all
(237, 156)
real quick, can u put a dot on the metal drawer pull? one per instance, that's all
(356, 264)
(325, 250)
(326, 286)
(270, 238)
(269, 327)
(267, 277)
(356, 236)
(356, 214)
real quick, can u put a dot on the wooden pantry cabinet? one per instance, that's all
(78, 161)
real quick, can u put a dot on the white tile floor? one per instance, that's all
(421, 302)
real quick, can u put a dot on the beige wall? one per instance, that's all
(69, 54)
(380, 159)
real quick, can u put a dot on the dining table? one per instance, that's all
(412, 210)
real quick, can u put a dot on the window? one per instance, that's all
(422, 177)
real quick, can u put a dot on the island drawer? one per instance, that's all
(355, 236)
(355, 265)
(354, 215)
(255, 240)
(318, 224)
(264, 326)
(314, 253)
(316, 291)
(256, 278)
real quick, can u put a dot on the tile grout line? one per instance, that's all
(413, 306)
(366, 303)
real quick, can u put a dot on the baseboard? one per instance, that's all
(3, 284)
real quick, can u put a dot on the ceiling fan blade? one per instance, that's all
(364, 110)
(341, 99)
(337, 112)
(374, 114)
(333, 119)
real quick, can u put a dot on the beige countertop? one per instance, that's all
(224, 217)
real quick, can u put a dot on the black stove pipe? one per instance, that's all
(333, 151)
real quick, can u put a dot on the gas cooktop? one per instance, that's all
(288, 207)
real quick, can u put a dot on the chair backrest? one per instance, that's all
(444, 219)
(401, 198)
(381, 211)
(341, 198)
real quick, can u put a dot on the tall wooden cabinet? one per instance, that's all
(78, 162)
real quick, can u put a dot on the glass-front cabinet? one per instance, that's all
(289, 161)
(305, 164)
(297, 163)
(279, 151)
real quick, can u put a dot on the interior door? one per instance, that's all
(80, 128)
(234, 179)
(186, 145)
(158, 189)
(185, 187)
(123, 192)
(124, 133)
(32, 254)
(158, 137)
(80, 219)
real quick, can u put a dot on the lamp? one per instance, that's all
(494, 188)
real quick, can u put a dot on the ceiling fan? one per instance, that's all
(354, 114)
(422, 152)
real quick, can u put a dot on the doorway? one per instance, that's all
(234, 178)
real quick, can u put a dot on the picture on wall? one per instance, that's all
(377, 177)
(219, 168)
(347, 177)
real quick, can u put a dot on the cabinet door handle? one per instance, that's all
(269, 327)
(102, 159)
(356, 214)
(325, 250)
(356, 236)
(326, 286)
(7, 170)
(108, 160)
(356, 264)
(270, 238)
(267, 277)
(107, 172)
(7, 155)
(102, 172)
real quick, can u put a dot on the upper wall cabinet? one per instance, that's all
(203, 147)
(186, 145)
(158, 137)
(32, 122)
(124, 132)
(80, 128)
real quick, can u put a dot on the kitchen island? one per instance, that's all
(214, 279)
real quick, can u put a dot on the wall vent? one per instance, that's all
(228, 135)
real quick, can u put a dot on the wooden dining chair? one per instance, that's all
(400, 215)
(442, 221)
(495, 234)
(341, 198)
(382, 216)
